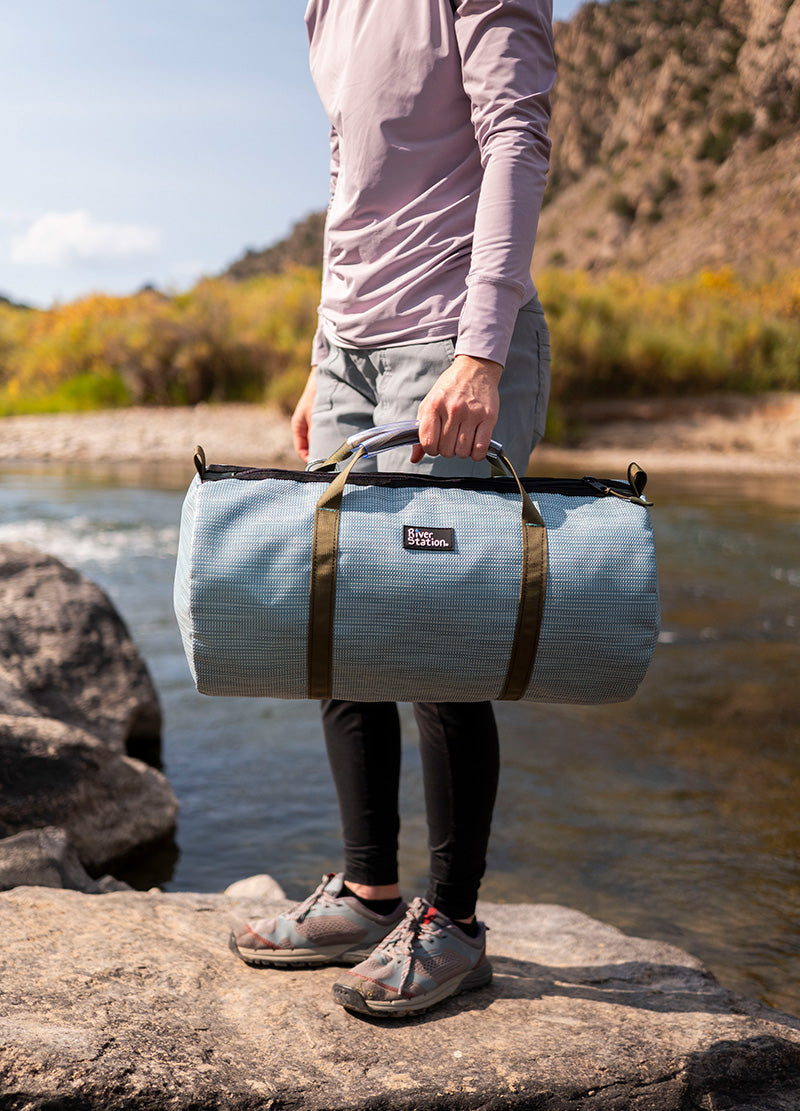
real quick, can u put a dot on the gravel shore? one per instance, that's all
(716, 435)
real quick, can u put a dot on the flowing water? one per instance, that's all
(674, 815)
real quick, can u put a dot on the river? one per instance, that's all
(674, 815)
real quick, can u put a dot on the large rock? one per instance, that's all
(45, 857)
(53, 774)
(76, 701)
(133, 1001)
(66, 653)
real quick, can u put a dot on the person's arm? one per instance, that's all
(301, 418)
(508, 68)
(320, 345)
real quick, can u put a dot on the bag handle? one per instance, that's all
(384, 437)
(324, 557)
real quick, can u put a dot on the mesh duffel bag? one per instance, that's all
(364, 586)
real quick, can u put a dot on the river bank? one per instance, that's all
(712, 434)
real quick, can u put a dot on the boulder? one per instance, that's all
(46, 858)
(132, 1000)
(52, 774)
(67, 654)
(261, 887)
(76, 705)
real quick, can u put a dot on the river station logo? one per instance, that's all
(419, 538)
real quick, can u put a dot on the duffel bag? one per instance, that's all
(369, 586)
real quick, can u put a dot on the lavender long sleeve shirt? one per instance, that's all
(439, 154)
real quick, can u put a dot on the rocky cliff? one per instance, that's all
(676, 138)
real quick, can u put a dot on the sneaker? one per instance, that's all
(327, 928)
(426, 959)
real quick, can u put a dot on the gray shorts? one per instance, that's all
(368, 386)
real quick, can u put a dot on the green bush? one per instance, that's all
(621, 337)
(616, 336)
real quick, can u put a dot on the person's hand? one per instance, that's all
(301, 417)
(459, 413)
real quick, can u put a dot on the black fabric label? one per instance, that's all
(422, 538)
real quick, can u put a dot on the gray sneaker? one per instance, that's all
(328, 928)
(426, 959)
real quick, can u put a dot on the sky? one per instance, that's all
(152, 141)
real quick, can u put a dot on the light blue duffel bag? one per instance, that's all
(331, 583)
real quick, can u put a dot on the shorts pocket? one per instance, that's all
(326, 382)
(543, 392)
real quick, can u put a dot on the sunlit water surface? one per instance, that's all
(674, 815)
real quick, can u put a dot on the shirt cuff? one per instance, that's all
(487, 320)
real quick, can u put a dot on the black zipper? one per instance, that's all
(570, 486)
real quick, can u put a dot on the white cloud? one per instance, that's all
(64, 238)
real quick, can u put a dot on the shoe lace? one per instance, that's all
(320, 895)
(401, 942)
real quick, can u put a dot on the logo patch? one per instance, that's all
(420, 538)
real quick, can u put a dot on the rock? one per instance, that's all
(76, 705)
(67, 654)
(46, 858)
(762, 61)
(256, 887)
(56, 774)
(133, 1000)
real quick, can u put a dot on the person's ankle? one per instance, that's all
(373, 891)
(379, 898)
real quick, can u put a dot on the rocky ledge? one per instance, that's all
(132, 1000)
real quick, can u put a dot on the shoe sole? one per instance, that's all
(297, 958)
(352, 1000)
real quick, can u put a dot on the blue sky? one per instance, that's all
(152, 141)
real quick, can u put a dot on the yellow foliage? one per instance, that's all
(620, 336)
(219, 342)
(223, 341)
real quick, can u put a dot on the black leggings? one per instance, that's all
(460, 765)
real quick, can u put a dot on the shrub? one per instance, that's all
(620, 205)
(616, 336)
(715, 145)
(619, 336)
(221, 341)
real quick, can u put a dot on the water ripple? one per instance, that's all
(80, 542)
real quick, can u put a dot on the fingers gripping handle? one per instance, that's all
(374, 440)
(384, 437)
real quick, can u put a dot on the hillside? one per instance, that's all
(676, 138)
(301, 247)
(676, 143)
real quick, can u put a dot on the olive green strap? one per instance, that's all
(323, 584)
(532, 588)
(530, 513)
(533, 582)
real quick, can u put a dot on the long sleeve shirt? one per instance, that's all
(439, 154)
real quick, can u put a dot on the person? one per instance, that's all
(439, 112)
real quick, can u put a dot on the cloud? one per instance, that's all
(64, 238)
